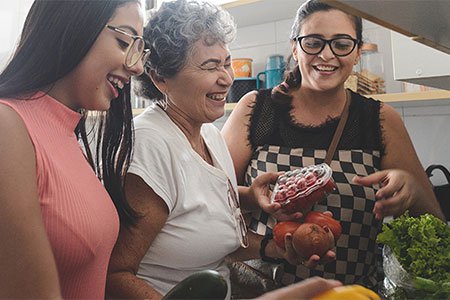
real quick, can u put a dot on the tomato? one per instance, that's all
(322, 219)
(280, 230)
(305, 203)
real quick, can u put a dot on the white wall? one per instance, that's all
(12, 17)
(428, 124)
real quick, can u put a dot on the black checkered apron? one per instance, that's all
(357, 254)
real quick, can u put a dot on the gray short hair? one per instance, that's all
(172, 31)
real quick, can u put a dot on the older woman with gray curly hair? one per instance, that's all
(181, 179)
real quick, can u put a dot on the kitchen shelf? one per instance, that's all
(228, 107)
(413, 96)
(392, 97)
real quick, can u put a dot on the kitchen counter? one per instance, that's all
(392, 97)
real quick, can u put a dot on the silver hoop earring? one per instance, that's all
(163, 102)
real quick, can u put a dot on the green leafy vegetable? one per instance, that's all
(422, 246)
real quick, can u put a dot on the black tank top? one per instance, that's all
(271, 124)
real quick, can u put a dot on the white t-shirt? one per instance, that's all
(200, 230)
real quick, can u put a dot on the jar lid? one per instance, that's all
(369, 47)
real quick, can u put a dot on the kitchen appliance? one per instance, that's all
(274, 73)
(242, 86)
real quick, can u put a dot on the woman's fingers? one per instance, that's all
(371, 179)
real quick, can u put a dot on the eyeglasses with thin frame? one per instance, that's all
(135, 50)
(241, 227)
(340, 46)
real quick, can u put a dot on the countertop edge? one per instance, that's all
(391, 97)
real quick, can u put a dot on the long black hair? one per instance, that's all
(56, 36)
(294, 77)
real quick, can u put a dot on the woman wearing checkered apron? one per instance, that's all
(292, 126)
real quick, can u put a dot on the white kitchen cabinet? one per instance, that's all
(415, 23)
(419, 64)
(425, 21)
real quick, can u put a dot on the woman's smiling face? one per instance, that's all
(200, 88)
(325, 71)
(100, 75)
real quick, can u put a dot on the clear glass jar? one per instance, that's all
(370, 71)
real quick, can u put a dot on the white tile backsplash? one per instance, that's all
(257, 35)
(283, 30)
(259, 55)
(431, 138)
(440, 109)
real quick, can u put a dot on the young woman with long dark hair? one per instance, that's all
(58, 224)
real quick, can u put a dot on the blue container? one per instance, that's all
(275, 62)
(272, 77)
(274, 73)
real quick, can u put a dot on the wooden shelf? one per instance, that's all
(392, 97)
(414, 96)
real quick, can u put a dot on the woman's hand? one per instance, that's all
(306, 289)
(291, 256)
(398, 192)
(282, 235)
(260, 193)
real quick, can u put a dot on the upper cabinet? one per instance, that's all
(253, 12)
(419, 64)
(421, 41)
(423, 21)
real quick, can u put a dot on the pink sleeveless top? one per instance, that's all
(80, 218)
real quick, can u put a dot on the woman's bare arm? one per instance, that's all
(28, 268)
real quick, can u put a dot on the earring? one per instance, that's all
(163, 102)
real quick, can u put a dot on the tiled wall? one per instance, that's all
(260, 41)
(428, 124)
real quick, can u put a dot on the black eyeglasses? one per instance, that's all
(340, 46)
(136, 49)
(240, 225)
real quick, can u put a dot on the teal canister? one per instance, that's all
(274, 72)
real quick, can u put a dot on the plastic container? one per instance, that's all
(371, 71)
(300, 189)
(274, 72)
(242, 67)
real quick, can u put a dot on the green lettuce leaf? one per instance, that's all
(421, 245)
